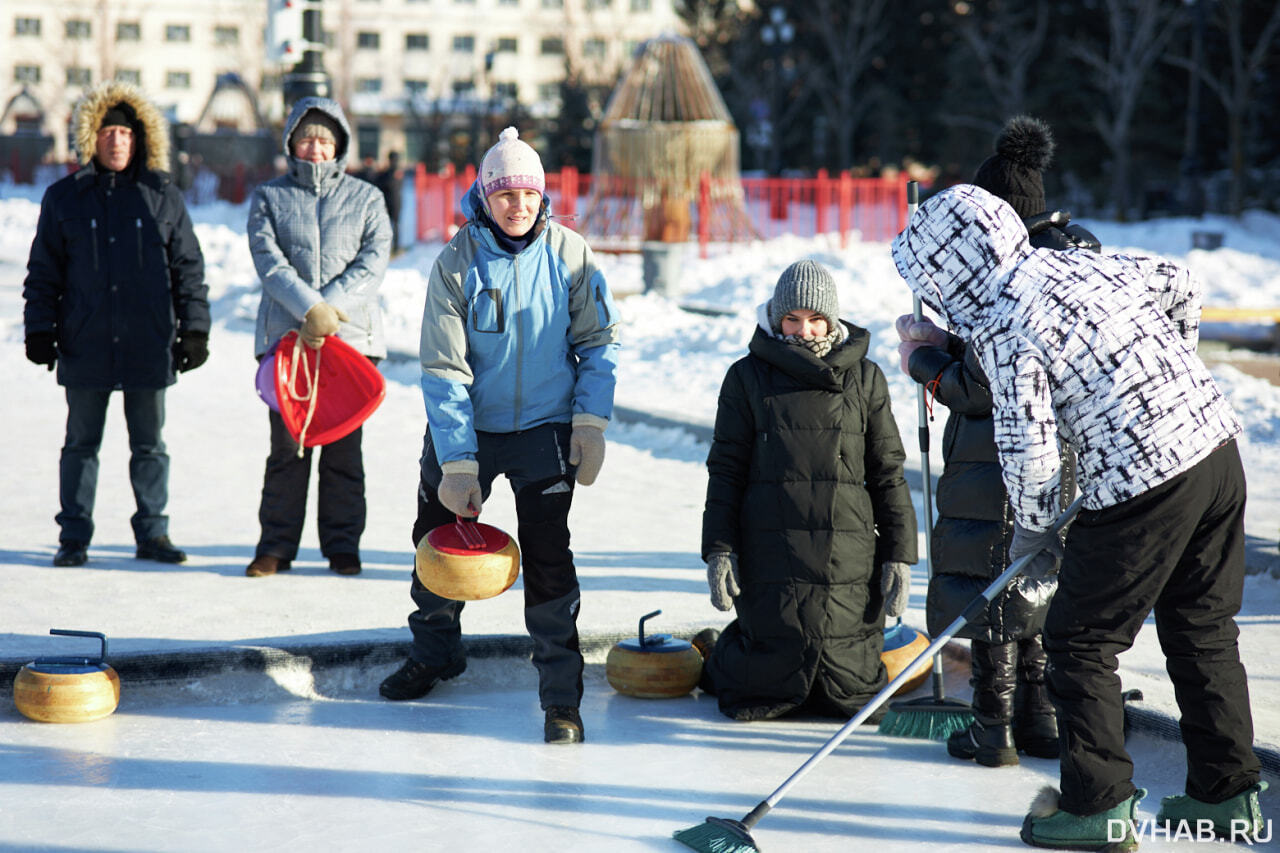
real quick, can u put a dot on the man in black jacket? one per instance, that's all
(116, 300)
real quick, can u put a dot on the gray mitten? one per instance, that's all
(722, 578)
(895, 586)
(459, 488)
(1047, 547)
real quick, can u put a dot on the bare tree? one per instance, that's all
(847, 36)
(1004, 42)
(1138, 31)
(1233, 85)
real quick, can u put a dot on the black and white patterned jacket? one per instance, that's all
(1099, 349)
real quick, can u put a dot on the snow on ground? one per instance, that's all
(635, 531)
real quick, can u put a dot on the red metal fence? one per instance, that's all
(873, 209)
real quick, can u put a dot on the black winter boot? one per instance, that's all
(562, 724)
(989, 739)
(1035, 722)
(413, 680)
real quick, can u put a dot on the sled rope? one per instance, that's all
(312, 393)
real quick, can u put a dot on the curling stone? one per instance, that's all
(902, 645)
(653, 667)
(67, 689)
(467, 561)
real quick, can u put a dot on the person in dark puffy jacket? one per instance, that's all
(320, 240)
(970, 543)
(808, 530)
(116, 300)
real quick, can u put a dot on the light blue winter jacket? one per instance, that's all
(317, 235)
(510, 342)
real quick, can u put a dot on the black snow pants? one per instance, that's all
(536, 462)
(1177, 549)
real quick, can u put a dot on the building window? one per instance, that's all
(177, 32)
(548, 92)
(464, 2)
(553, 4)
(553, 46)
(367, 139)
(129, 75)
(128, 31)
(593, 5)
(464, 44)
(369, 85)
(462, 88)
(415, 88)
(26, 26)
(506, 91)
(417, 41)
(366, 40)
(79, 29)
(26, 73)
(79, 76)
(508, 2)
(226, 35)
(177, 80)
(641, 5)
(593, 48)
(506, 45)
(631, 46)
(329, 39)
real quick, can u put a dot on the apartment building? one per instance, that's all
(396, 65)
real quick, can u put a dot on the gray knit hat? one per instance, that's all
(804, 284)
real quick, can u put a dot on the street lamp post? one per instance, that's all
(308, 78)
(776, 34)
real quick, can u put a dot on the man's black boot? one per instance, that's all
(414, 680)
(563, 725)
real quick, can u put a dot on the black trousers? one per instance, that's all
(341, 507)
(536, 463)
(1177, 550)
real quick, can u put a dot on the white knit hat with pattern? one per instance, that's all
(511, 163)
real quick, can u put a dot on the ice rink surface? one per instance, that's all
(465, 770)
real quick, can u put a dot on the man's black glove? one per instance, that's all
(190, 350)
(1045, 545)
(42, 348)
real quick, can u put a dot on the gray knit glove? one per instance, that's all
(1045, 544)
(459, 488)
(722, 578)
(895, 587)
(586, 452)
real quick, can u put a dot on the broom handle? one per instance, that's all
(974, 608)
(922, 413)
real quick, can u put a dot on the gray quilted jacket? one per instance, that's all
(318, 234)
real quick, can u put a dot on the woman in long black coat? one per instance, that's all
(808, 525)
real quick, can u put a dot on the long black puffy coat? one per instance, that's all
(806, 488)
(971, 535)
(115, 268)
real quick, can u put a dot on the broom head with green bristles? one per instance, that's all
(930, 718)
(717, 835)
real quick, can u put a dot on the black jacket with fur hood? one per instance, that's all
(115, 268)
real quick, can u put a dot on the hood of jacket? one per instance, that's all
(959, 251)
(153, 140)
(314, 174)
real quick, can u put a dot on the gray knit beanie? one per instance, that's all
(804, 284)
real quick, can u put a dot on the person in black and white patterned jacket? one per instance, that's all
(1099, 349)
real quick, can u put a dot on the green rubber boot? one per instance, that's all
(1236, 819)
(1111, 831)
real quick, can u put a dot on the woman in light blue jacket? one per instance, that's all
(320, 240)
(519, 352)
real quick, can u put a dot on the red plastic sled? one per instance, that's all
(324, 395)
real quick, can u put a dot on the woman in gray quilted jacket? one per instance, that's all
(320, 240)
